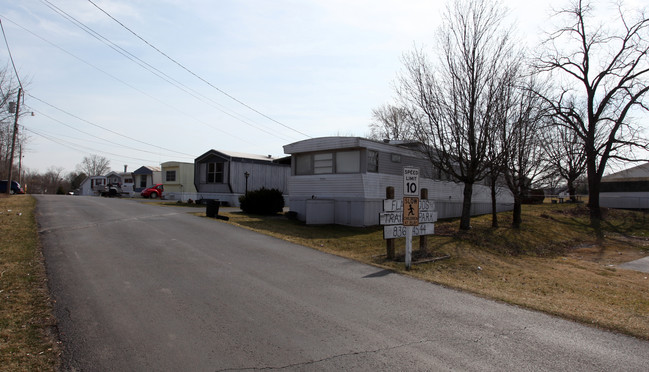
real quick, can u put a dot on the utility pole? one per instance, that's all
(13, 142)
(20, 163)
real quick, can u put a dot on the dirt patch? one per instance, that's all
(614, 250)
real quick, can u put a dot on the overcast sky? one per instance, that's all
(238, 75)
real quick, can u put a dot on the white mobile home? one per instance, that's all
(342, 180)
(627, 189)
(92, 185)
(124, 180)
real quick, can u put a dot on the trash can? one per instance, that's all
(212, 209)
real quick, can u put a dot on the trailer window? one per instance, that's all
(214, 172)
(348, 162)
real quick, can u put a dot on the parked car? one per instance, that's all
(153, 191)
(15, 187)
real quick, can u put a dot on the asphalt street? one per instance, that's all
(142, 287)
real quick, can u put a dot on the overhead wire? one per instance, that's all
(196, 75)
(152, 69)
(10, 55)
(81, 148)
(124, 82)
(102, 138)
(107, 129)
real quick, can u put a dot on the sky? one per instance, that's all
(176, 78)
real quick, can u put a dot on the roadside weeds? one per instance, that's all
(28, 341)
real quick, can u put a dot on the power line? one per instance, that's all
(10, 56)
(106, 129)
(196, 75)
(150, 68)
(125, 83)
(81, 148)
(104, 139)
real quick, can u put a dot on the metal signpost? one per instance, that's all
(410, 207)
(410, 219)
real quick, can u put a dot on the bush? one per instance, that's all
(262, 201)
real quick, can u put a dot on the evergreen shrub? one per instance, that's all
(263, 201)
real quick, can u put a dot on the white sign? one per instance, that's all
(396, 218)
(396, 205)
(399, 231)
(410, 181)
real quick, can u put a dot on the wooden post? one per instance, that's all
(423, 242)
(13, 142)
(389, 243)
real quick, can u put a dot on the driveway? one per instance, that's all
(637, 265)
(144, 287)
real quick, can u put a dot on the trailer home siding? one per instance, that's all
(343, 180)
(222, 175)
(627, 189)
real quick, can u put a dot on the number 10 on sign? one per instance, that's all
(410, 181)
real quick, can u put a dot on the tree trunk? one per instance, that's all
(572, 191)
(517, 218)
(593, 203)
(494, 212)
(465, 219)
(593, 191)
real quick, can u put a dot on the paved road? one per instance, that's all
(150, 288)
(641, 265)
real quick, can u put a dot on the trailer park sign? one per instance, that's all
(399, 215)
(392, 218)
(408, 217)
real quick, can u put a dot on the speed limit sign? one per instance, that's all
(410, 181)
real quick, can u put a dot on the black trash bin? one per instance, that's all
(212, 209)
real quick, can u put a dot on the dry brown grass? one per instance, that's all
(555, 263)
(27, 342)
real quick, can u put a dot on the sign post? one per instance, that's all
(410, 207)
(407, 217)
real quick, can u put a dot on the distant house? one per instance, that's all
(92, 185)
(628, 189)
(178, 180)
(343, 180)
(146, 176)
(124, 180)
(222, 174)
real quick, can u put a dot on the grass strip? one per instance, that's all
(27, 338)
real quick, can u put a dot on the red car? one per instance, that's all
(153, 191)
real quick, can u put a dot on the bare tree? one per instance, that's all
(94, 165)
(565, 154)
(456, 98)
(51, 181)
(604, 75)
(494, 154)
(523, 115)
(392, 123)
